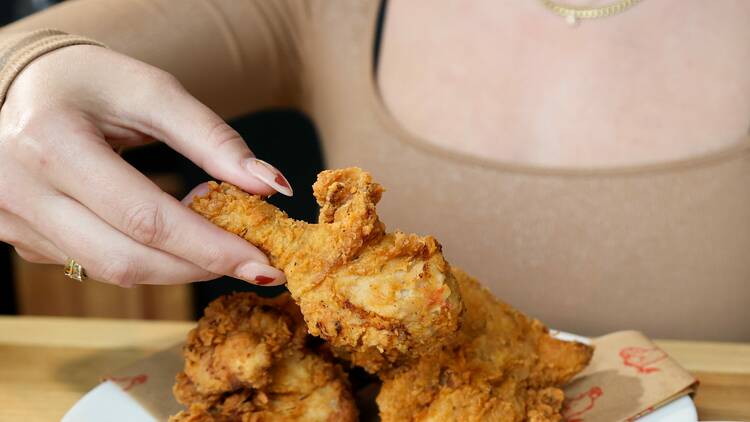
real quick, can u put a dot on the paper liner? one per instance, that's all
(628, 377)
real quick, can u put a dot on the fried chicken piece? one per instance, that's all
(235, 342)
(302, 387)
(502, 366)
(378, 298)
(247, 361)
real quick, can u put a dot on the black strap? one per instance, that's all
(378, 35)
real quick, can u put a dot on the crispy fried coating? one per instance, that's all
(378, 298)
(247, 361)
(302, 387)
(502, 366)
(235, 342)
(388, 302)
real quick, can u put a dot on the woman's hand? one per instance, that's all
(64, 191)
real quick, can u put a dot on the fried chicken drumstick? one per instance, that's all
(378, 298)
(387, 302)
(247, 361)
(502, 366)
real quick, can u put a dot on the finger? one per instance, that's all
(262, 280)
(195, 131)
(33, 256)
(132, 204)
(107, 254)
(29, 244)
(199, 190)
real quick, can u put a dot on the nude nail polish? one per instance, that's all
(270, 175)
(199, 190)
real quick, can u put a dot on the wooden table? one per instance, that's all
(47, 364)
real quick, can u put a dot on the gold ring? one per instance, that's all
(74, 270)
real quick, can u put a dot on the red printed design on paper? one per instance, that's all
(644, 413)
(642, 358)
(126, 383)
(575, 407)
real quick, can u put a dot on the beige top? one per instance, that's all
(661, 248)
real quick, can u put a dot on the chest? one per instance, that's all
(663, 81)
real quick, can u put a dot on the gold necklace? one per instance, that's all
(573, 14)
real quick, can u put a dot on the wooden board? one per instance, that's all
(47, 364)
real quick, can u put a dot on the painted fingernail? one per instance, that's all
(260, 274)
(263, 280)
(270, 175)
(199, 190)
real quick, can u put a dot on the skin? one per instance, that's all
(511, 81)
(64, 192)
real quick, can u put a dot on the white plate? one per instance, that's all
(108, 402)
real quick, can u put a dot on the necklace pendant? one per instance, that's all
(571, 19)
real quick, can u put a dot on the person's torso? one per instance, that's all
(664, 80)
(659, 247)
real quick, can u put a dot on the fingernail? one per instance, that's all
(263, 280)
(199, 190)
(270, 175)
(260, 274)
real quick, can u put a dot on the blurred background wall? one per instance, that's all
(283, 137)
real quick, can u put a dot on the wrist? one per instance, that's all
(19, 50)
